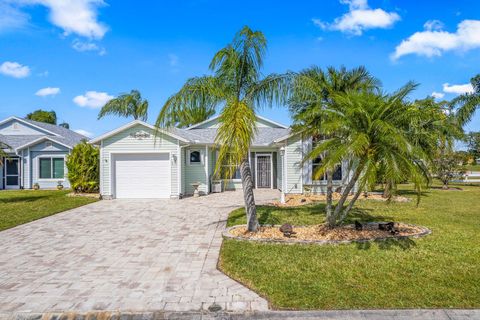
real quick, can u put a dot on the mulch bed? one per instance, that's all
(321, 233)
(301, 199)
(86, 195)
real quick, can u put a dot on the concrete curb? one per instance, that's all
(411, 314)
(226, 234)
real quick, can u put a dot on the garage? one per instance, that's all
(142, 175)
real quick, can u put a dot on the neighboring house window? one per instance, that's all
(51, 168)
(194, 157)
(236, 174)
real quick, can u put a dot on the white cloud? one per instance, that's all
(360, 18)
(92, 99)
(432, 25)
(72, 16)
(48, 91)
(437, 95)
(14, 69)
(85, 133)
(82, 46)
(458, 88)
(11, 17)
(434, 41)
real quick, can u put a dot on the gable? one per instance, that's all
(15, 127)
(213, 123)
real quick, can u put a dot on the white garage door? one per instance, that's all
(142, 175)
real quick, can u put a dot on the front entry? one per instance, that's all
(264, 171)
(12, 173)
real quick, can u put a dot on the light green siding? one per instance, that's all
(195, 172)
(122, 142)
(294, 154)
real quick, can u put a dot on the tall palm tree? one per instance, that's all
(372, 129)
(126, 105)
(468, 103)
(312, 91)
(190, 116)
(236, 90)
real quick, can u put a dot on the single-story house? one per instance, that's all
(136, 163)
(36, 155)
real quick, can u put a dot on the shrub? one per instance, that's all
(83, 168)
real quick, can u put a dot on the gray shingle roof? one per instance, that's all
(264, 136)
(62, 136)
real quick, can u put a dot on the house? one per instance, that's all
(36, 154)
(137, 163)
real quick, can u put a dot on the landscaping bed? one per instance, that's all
(307, 199)
(322, 234)
(437, 271)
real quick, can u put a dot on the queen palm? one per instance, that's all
(236, 90)
(371, 129)
(126, 105)
(468, 103)
(312, 92)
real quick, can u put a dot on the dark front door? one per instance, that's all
(12, 174)
(264, 171)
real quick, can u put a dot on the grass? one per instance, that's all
(473, 167)
(441, 270)
(22, 206)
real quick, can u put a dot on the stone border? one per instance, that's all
(226, 234)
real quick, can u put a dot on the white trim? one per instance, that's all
(179, 168)
(201, 163)
(291, 134)
(207, 170)
(16, 186)
(285, 160)
(113, 153)
(37, 141)
(28, 123)
(131, 124)
(257, 116)
(46, 156)
(100, 167)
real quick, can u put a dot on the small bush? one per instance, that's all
(83, 168)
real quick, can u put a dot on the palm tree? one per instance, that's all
(126, 105)
(190, 116)
(312, 91)
(468, 103)
(236, 90)
(3, 154)
(372, 129)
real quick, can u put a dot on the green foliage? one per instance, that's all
(3, 154)
(448, 165)
(83, 168)
(43, 116)
(473, 144)
(126, 105)
(466, 104)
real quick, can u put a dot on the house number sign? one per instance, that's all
(140, 135)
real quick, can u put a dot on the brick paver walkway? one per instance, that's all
(128, 255)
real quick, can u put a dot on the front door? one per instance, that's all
(12, 174)
(264, 171)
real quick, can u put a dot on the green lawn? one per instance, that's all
(441, 270)
(22, 206)
(473, 167)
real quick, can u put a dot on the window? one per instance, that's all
(228, 168)
(194, 157)
(316, 163)
(51, 168)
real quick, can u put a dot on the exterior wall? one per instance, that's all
(195, 172)
(294, 171)
(20, 128)
(122, 142)
(279, 171)
(1, 178)
(46, 183)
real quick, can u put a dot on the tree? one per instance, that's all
(83, 167)
(468, 103)
(372, 131)
(3, 154)
(236, 89)
(473, 144)
(312, 92)
(43, 116)
(126, 105)
(448, 165)
(64, 125)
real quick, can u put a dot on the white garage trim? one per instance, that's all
(113, 171)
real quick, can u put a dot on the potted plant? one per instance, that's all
(217, 185)
(59, 185)
(36, 186)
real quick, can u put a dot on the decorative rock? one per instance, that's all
(214, 307)
(287, 230)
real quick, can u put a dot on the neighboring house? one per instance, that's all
(135, 163)
(37, 153)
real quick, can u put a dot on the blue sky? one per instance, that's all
(81, 52)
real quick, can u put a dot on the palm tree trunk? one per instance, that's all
(250, 208)
(350, 205)
(348, 188)
(330, 217)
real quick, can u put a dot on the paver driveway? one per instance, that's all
(127, 255)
